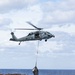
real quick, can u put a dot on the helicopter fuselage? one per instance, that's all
(37, 35)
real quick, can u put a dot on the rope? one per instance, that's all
(37, 53)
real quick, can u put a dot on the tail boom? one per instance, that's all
(14, 38)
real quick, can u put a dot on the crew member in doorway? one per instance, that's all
(35, 70)
(37, 35)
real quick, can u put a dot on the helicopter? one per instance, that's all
(36, 35)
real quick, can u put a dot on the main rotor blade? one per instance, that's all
(34, 26)
(24, 29)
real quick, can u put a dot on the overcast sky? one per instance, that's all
(56, 16)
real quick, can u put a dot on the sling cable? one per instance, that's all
(35, 69)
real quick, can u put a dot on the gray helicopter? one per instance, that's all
(37, 35)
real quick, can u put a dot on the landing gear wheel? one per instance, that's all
(45, 40)
(19, 43)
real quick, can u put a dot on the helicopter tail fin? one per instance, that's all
(14, 38)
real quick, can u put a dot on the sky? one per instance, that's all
(55, 16)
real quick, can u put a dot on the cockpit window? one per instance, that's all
(30, 34)
(46, 33)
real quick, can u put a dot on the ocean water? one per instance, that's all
(41, 72)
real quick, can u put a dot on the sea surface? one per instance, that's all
(41, 72)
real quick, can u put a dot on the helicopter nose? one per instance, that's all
(53, 36)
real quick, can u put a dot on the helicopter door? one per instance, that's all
(37, 35)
